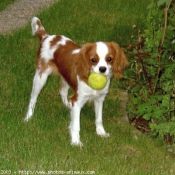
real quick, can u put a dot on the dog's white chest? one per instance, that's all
(88, 94)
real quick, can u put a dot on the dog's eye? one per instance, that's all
(93, 60)
(108, 59)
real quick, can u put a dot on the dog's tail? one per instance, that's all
(37, 28)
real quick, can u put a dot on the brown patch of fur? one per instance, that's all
(41, 31)
(42, 66)
(73, 98)
(119, 61)
(54, 68)
(83, 60)
(65, 61)
(55, 40)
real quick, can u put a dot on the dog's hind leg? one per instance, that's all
(38, 83)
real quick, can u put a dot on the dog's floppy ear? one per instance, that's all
(83, 66)
(120, 61)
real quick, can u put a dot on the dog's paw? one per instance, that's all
(78, 143)
(28, 116)
(104, 135)
(26, 119)
(101, 132)
(75, 137)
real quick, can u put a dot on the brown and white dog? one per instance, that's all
(60, 55)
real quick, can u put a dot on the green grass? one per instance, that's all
(5, 3)
(43, 143)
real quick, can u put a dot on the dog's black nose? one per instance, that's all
(102, 69)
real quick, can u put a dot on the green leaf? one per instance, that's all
(162, 2)
(153, 101)
(151, 61)
(158, 113)
(171, 21)
(173, 46)
(144, 109)
(167, 43)
(129, 73)
(166, 101)
(136, 88)
(147, 116)
(169, 34)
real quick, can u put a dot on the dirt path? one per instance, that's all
(18, 14)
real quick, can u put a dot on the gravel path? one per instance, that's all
(19, 13)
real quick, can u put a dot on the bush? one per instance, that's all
(151, 75)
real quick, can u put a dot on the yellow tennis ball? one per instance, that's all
(97, 81)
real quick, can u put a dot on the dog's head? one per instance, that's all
(101, 57)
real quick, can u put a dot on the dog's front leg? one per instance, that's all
(98, 104)
(75, 125)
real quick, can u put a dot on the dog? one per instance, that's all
(60, 55)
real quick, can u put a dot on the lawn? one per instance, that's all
(5, 3)
(43, 144)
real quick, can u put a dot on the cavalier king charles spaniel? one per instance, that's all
(60, 55)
